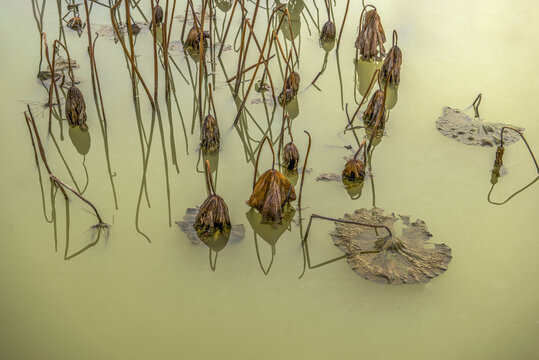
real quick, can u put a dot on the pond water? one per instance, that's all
(147, 291)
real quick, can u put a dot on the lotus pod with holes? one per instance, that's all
(76, 108)
(210, 134)
(271, 192)
(372, 37)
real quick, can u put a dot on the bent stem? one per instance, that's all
(361, 146)
(476, 104)
(258, 157)
(521, 135)
(315, 216)
(342, 26)
(62, 185)
(303, 170)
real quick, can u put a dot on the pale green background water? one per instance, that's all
(127, 298)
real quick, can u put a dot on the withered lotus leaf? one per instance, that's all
(210, 134)
(405, 258)
(456, 125)
(372, 37)
(76, 108)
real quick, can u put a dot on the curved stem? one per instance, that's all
(523, 138)
(342, 25)
(70, 70)
(396, 39)
(476, 104)
(303, 170)
(361, 146)
(258, 157)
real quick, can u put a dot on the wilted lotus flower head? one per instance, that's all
(293, 81)
(210, 134)
(193, 39)
(213, 213)
(354, 170)
(375, 109)
(271, 191)
(498, 161)
(290, 156)
(75, 23)
(158, 14)
(76, 108)
(391, 68)
(328, 32)
(371, 38)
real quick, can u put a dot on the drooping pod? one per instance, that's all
(213, 213)
(193, 39)
(371, 38)
(158, 15)
(271, 191)
(354, 170)
(76, 108)
(75, 23)
(211, 139)
(375, 109)
(391, 68)
(291, 88)
(290, 150)
(328, 32)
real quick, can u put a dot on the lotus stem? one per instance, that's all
(303, 170)
(266, 138)
(476, 104)
(525, 141)
(342, 26)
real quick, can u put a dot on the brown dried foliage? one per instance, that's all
(271, 192)
(158, 14)
(375, 106)
(193, 39)
(76, 108)
(372, 37)
(498, 161)
(290, 156)
(328, 32)
(391, 69)
(354, 170)
(212, 215)
(291, 89)
(210, 134)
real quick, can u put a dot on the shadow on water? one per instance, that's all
(270, 233)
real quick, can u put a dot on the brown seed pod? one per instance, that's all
(328, 32)
(210, 134)
(371, 38)
(375, 106)
(213, 213)
(290, 156)
(158, 14)
(391, 67)
(271, 192)
(354, 170)
(498, 161)
(75, 23)
(193, 39)
(76, 108)
(293, 82)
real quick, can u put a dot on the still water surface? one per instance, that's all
(128, 298)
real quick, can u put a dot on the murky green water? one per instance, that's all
(128, 298)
